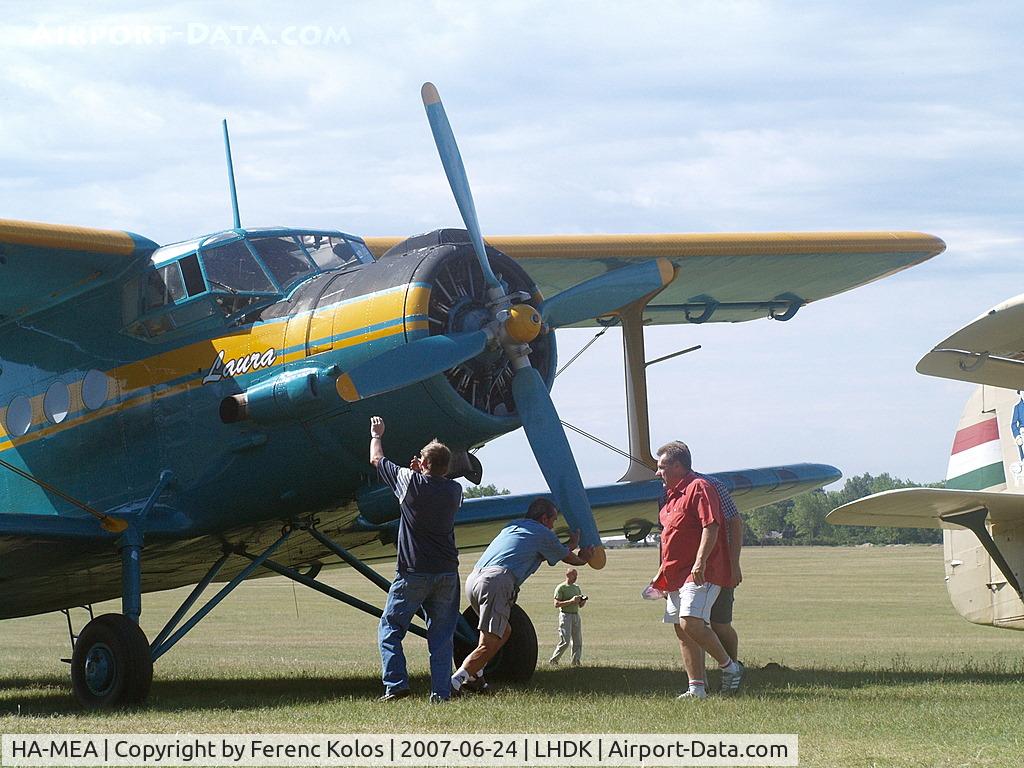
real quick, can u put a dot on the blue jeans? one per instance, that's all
(438, 594)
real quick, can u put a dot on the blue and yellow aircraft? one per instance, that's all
(197, 412)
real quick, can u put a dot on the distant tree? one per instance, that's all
(478, 491)
(762, 522)
(808, 516)
(805, 516)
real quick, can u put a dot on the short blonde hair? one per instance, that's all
(437, 456)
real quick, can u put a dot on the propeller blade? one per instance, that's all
(606, 293)
(551, 448)
(409, 363)
(448, 149)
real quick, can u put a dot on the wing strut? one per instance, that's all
(641, 463)
(637, 411)
(974, 521)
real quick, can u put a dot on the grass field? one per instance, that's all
(866, 661)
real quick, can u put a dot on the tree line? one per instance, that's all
(802, 520)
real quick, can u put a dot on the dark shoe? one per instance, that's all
(400, 693)
(476, 685)
(435, 699)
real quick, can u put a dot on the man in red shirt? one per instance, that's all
(695, 565)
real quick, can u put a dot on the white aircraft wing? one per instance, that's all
(925, 508)
(989, 350)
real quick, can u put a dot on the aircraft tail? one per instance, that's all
(988, 455)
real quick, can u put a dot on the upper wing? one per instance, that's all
(926, 507)
(988, 350)
(623, 507)
(44, 264)
(720, 277)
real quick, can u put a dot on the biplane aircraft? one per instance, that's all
(981, 508)
(197, 412)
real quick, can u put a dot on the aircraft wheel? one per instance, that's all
(111, 665)
(517, 659)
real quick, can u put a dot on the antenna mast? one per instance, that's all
(231, 177)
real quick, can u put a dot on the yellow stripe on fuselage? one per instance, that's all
(135, 381)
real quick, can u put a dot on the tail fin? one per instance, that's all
(984, 454)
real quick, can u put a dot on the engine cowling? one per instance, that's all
(458, 303)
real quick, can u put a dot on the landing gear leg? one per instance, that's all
(111, 664)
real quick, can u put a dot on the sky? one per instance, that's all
(577, 118)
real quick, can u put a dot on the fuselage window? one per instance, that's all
(95, 389)
(283, 257)
(19, 416)
(57, 402)
(232, 268)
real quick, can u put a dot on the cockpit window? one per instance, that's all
(362, 252)
(232, 268)
(284, 258)
(164, 286)
(330, 252)
(193, 275)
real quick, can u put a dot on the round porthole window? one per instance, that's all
(57, 402)
(19, 416)
(95, 389)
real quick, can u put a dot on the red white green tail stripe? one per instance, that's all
(976, 462)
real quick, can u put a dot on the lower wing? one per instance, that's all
(927, 508)
(631, 508)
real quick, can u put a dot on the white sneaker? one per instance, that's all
(691, 695)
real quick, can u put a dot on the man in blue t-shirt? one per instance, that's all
(512, 557)
(428, 564)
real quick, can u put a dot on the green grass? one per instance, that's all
(856, 650)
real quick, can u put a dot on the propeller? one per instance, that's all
(513, 327)
(451, 159)
(533, 402)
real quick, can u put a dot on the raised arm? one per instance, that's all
(376, 445)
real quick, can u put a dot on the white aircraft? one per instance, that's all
(981, 509)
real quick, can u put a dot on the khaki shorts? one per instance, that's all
(491, 592)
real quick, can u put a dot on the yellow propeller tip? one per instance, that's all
(114, 524)
(667, 271)
(429, 94)
(347, 388)
(598, 559)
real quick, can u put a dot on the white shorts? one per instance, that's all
(691, 600)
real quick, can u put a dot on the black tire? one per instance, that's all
(517, 659)
(111, 666)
